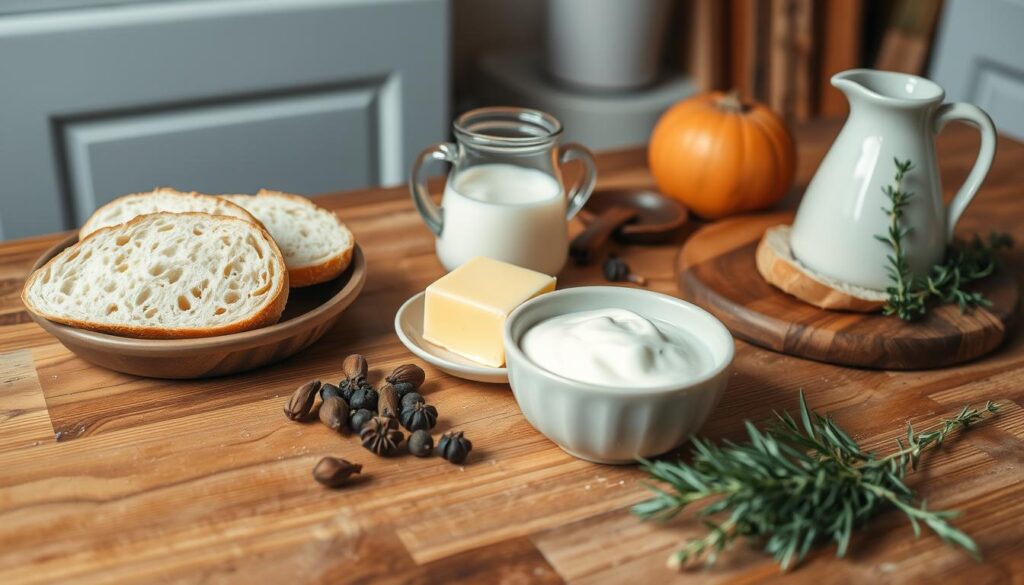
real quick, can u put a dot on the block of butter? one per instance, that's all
(465, 310)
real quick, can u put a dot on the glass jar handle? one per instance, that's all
(432, 215)
(579, 193)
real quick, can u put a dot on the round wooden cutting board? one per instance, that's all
(716, 270)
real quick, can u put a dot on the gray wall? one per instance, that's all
(216, 96)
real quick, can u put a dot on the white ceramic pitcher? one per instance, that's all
(892, 115)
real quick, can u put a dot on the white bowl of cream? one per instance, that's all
(612, 374)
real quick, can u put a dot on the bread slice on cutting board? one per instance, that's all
(317, 246)
(165, 275)
(128, 207)
(778, 266)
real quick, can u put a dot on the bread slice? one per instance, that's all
(128, 207)
(777, 265)
(317, 246)
(165, 275)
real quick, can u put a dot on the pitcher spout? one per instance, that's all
(889, 88)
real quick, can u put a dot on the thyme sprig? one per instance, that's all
(966, 263)
(798, 484)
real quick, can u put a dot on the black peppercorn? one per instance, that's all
(421, 444)
(380, 434)
(358, 418)
(364, 397)
(419, 416)
(616, 270)
(410, 399)
(329, 390)
(403, 388)
(454, 447)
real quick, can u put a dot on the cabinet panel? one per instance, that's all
(301, 144)
(977, 58)
(101, 100)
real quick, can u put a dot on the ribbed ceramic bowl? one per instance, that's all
(310, 312)
(606, 424)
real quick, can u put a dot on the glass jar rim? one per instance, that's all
(508, 126)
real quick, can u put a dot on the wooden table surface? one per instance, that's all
(109, 478)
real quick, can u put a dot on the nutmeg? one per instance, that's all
(334, 413)
(355, 368)
(410, 374)
(387, 400)
(333, 472)
(300, 403)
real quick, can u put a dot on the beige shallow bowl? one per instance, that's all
(310, 312)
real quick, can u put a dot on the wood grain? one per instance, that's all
(205, 480)
(717, 270)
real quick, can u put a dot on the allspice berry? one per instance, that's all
(300, 403)
(419, 416)
(454, 447)
(333, 472)
(358, 418)
(381, 435)
(407, 374)
(412, 398)
(329, 390)
(355, 369)
(421, 444)
(334, 413)
(364, 397)
(387, 400)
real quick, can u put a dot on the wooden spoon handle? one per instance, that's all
(586, 245)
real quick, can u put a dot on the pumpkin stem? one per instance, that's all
(731, 102)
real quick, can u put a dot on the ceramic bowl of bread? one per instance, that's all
(168, 284)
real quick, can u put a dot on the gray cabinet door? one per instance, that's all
(216, 96)
(979, 58)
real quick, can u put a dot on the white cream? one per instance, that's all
(616, 347)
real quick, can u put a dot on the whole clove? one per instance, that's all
(333, 472)
(334, 413)
(300, 403)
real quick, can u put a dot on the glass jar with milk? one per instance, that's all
(504, 197)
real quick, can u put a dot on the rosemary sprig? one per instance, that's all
(908, 296)
(797, 485)
(905, 298)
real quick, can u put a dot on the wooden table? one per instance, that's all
(157, 481)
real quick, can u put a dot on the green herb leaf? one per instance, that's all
(798, 484)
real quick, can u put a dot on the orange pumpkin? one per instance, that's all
(721, 156)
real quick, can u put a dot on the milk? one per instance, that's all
(506, 212)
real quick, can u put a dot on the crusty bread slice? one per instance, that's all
(165, 275)
(128, 207)
(777, 265)
(316, 245)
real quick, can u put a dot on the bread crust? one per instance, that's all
(86, 228)
(329, 269)
(780, 269)
(267, 315)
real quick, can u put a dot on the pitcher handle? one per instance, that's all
(976, 117)
(432, 215)
(579, 193)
